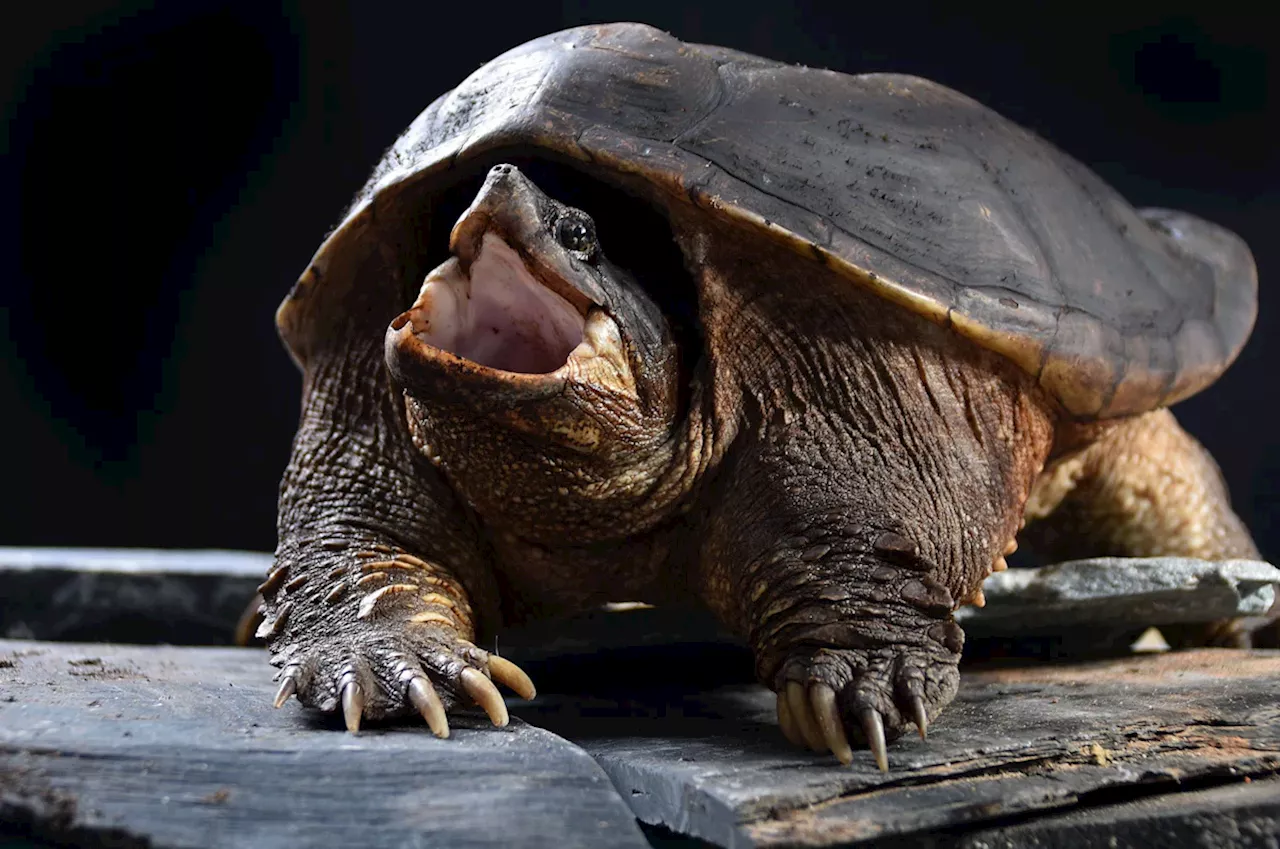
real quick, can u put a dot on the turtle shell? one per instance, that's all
(904, 186)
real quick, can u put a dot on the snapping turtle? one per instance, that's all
(623, 318)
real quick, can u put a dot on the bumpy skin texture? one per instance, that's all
(1140, 488)
(347, 602)
(381, 576)
(1143, 487)
(884, 367)
(879, 472)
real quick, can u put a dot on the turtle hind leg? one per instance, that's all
(1142, 488)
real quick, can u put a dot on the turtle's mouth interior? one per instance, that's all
(497, 313)
(635, 235)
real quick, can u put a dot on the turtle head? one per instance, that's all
(529, 335)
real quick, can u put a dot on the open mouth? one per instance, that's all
(497, 313)
(521, 310)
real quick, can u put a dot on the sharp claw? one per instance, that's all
(288, 687)
(424, 698)
(787, 723)
(921, 716)
(352, 705)
(873, 730)
(823, 699)
(507, 673)
(486, 695)
(802, 713)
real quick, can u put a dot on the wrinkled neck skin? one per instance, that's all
(854, 418)
(598, 452)
(543, 382)
(619, 473)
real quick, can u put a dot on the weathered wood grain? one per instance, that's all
(180, 748)
(1017, 742)
(177, 747)
(1235, 816)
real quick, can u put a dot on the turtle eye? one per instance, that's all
(578, 234)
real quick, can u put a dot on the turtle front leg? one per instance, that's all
(380, 581)
(852, 520)
(877, 474)
(381, 633)
(852, 628)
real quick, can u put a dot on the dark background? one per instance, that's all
(169, 168)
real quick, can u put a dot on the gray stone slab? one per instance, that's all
(1018, 742)
(180, 748)
(128, 595)
(197, 597)
(1120, 591)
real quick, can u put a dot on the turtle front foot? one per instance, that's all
(827, 696)
(427, 670)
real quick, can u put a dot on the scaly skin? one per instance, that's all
(1137, 488)
(878, 477)
(370, 605)
(1140, 487)
(380, 577)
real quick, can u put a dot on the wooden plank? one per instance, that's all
(1235, 816)
(180, 747)
(177, 746)
(687, 740)
(1017, 742)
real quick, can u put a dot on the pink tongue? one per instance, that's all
(502, 318)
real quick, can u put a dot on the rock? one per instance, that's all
(126, 595)
(1128, 592)
(180, 747)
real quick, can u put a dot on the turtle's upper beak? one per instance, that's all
(512, 208)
